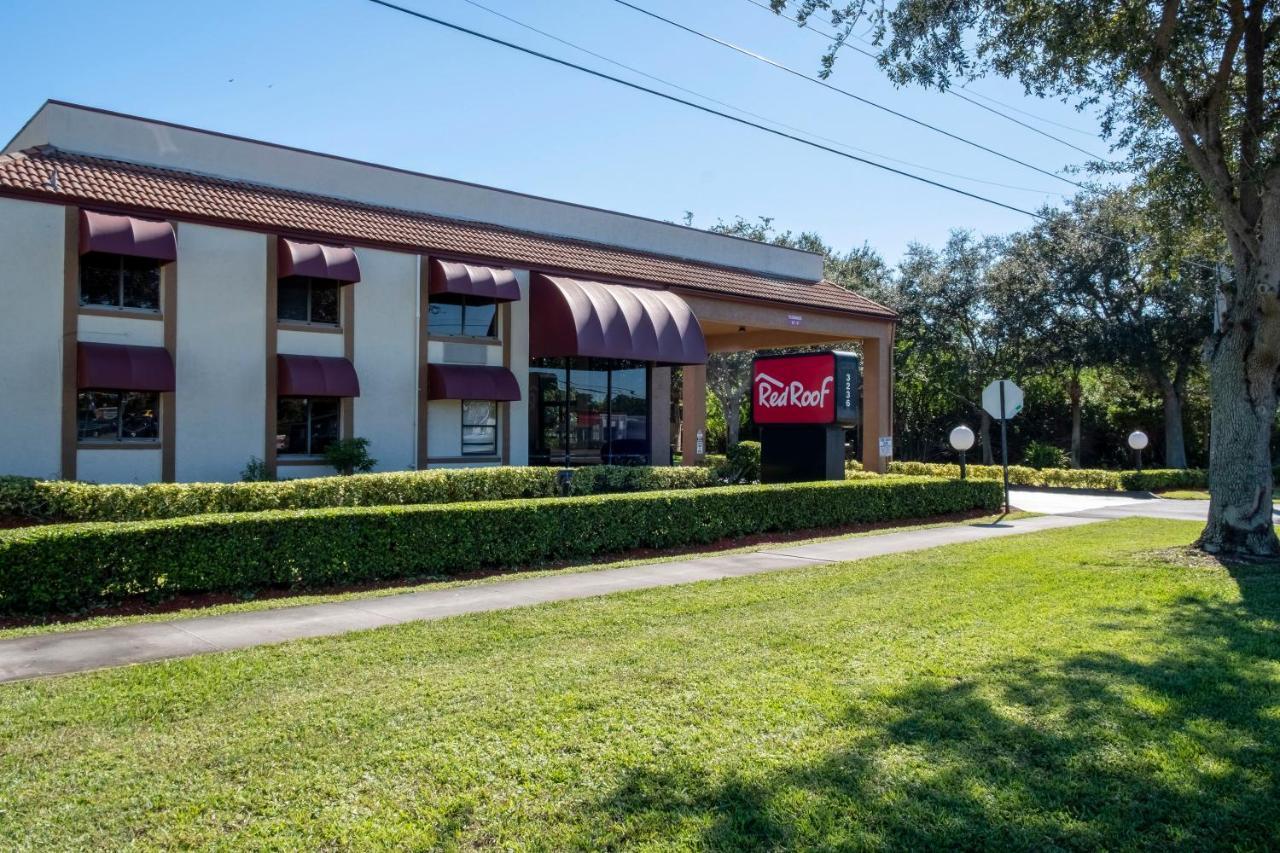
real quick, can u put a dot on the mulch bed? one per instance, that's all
(142, 605)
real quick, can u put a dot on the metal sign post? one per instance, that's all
(1002, 400)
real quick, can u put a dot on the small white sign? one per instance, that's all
(886, 445)
(1012, 399)
(793, 319)
(700, 444)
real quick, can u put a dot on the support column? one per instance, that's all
(693, 422)
(877, 399)
(660, 416)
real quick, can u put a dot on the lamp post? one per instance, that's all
(1138, 440)
(962, 439)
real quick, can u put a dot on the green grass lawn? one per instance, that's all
(1079, 688)
(1185, 494)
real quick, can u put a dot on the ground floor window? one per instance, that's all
(588, 411)
(118, 416)
(305, 426)
(479, 428)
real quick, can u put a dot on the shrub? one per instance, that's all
(1065, 478)
(349, 455)
(255, 471)
(742, 463)
(67, 567)
(72, 501)
(1041, 455)
(19, 496)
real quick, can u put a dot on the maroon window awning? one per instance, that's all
(127, 235)
(317, 260)
(571, 317)
(315, 376)
(118, 367)
(471, 382)
(454, 279)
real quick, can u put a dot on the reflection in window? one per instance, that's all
(479, 428)
(587, 411)
(305, 426)
(315, 301)
(118, 416)
(119, 281)
(462, 317)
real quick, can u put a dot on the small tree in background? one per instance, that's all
(350, 455)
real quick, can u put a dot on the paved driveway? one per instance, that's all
(1106, 504)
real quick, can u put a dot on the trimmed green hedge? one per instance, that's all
(68, 500)
(1068, 478)
(62, 568)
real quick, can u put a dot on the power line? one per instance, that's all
(744, 111)
(859, 98)
(839, 42)
(701, 107)
(742, 121)
(1030, 115)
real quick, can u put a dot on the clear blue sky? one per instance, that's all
(347, 77)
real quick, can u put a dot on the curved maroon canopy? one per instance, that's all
(317, 261)
(118, 367)
(471, 382)
(127, 235)
(315, 376)
(571, 317)
(451, 278)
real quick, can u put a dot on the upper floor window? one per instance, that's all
(462, 317)
(315, 301)
(119, 281)
(118, 416)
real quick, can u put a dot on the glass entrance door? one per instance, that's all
(588, 411)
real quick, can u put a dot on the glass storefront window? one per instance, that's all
(305, 426)
(118, 416)
(588, 411)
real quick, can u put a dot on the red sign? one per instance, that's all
(797, 389)
(807, 388)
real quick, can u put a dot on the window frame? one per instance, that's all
(310, 322)
(309, 453)
(490, 449)
(121, 440)
(461, 336)
(119, 305)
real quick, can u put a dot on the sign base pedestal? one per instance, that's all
(797, 453)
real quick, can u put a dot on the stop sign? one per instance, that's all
(1012, 399)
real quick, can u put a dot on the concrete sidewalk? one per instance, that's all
(77, 651)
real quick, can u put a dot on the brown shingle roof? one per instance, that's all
(56, 175)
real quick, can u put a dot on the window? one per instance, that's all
(479, 428)
(305, 426)
(119, 281)
(314, 301)
(462, 317)
(585, 411)
(104, 416)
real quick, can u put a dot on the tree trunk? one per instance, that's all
(1242, 384)
(988, 458)
(732, 421)
(1076, 461)
(1175, 447)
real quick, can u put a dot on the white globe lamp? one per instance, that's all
(1138, 441)
(962, 439)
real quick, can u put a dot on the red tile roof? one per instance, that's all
(50, 174)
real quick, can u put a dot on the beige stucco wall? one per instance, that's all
(31, 291)
(386, 356)
(221, 358)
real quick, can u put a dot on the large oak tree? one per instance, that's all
(1191, 80)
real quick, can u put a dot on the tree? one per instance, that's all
(1101, 300)
(729, 377)
(1188, 86)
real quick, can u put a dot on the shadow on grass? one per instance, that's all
(1177, 747)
